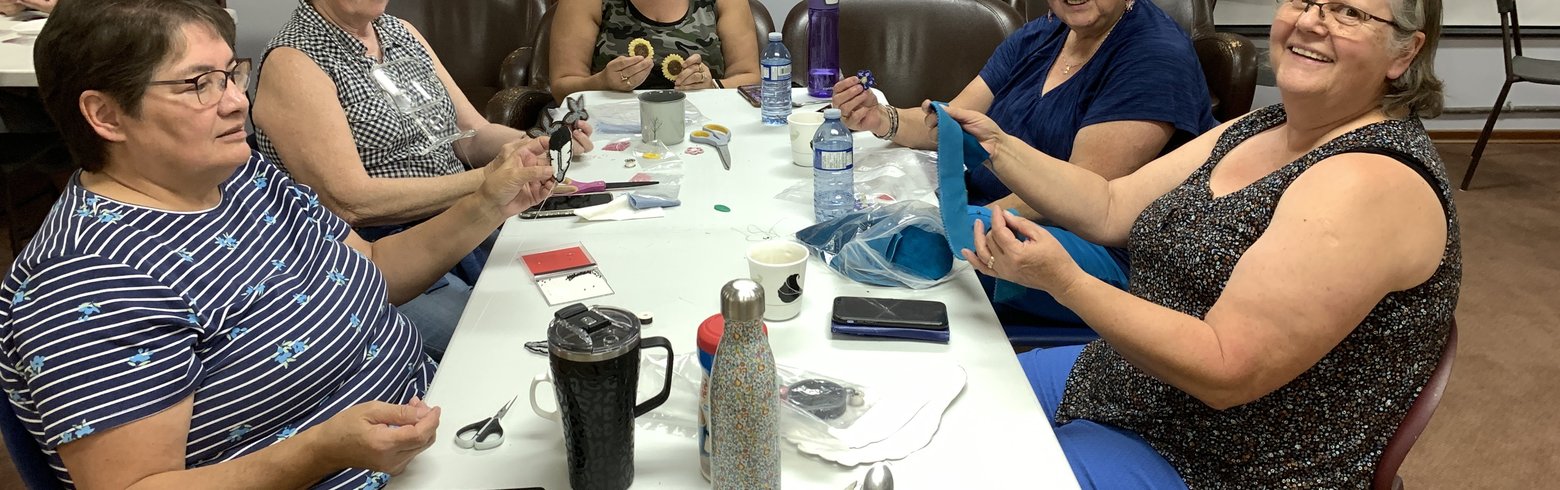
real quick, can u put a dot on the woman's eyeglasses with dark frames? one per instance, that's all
(210, 86)
(1342, 13)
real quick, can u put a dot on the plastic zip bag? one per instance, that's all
(897, 245)
(622, 116)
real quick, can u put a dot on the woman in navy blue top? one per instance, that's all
(1115, 79)
(189, 317)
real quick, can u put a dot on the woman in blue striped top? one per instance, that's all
(188, 316)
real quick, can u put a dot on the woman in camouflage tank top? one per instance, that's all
(713, 39)
(1294, 271)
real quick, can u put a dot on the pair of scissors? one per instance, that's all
(581, 187)
(717, 136)
(484, 434)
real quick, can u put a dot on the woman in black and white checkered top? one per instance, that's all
(319, 113)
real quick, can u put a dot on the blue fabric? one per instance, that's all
(640, 201)
(955, 150)
(256, 307)
(1038, 305)
(1101, 456)
(1146, 70)
(861, 243)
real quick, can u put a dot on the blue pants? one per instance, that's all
(1101, 456)
(1019, 305)
(436, 312)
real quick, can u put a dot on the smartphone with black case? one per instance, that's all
(753, 93)
(890, 312)
(560, 206)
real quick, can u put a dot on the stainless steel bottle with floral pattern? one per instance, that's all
(744, 395)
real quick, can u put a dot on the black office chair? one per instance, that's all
(1518, 69)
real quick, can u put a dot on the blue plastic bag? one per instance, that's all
(900, 245)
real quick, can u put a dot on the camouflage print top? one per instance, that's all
(693, 34)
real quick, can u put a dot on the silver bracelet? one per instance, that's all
(893, 124)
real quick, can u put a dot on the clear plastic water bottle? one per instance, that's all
(777, 82)
(823, 47)
(833, 168)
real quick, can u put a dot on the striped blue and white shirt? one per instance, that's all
(115, 312)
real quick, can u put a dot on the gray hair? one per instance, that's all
(1418, 90)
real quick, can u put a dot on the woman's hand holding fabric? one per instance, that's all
(1020, 251)
(378, 436)
(520, 177)
(626, 73)
(695, 75)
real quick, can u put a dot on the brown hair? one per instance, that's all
(1418, 90)
(114, 47)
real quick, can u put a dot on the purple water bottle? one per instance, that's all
(823, 47)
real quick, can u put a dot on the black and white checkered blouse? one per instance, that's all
(387, 141)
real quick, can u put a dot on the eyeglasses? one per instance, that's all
(210, 86)
(1343, 14)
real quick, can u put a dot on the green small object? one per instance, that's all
(722, 208)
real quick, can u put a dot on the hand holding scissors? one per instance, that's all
(484, 434)
(717, 136)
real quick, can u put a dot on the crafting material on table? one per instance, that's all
(566, 274)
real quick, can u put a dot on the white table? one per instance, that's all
(16, 57)
(993, 436)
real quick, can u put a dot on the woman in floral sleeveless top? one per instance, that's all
(1294, 271)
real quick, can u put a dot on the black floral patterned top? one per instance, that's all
(1328, 427)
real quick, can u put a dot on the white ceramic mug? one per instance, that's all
(803, 125)
(661, 116)
(780, 266)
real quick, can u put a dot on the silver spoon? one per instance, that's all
(879, 477)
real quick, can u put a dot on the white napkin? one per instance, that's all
(618, 210)
(938, 383)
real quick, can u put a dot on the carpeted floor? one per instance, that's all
(1490, 431)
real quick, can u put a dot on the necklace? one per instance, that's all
(1068, 67)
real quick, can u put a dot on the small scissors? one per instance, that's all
(717, 136)
(484, 434)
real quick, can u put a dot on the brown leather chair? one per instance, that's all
(525, 74)
(472, 37)
(1418, 417)
(916, 49)
(1229, 61)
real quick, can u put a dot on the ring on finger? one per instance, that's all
(991, 262)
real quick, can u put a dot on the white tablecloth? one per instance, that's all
(993, 436)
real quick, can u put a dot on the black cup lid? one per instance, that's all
(589, 334)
